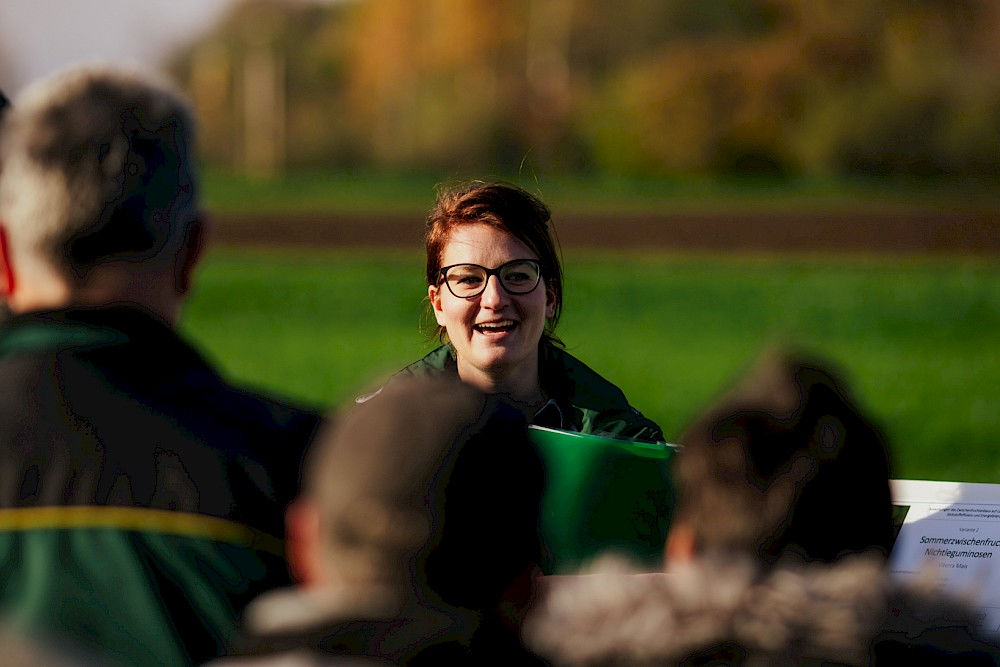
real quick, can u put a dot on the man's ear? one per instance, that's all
(7, 282)
(681, 544)
(303, 541)
(189, 254)
(434, 296)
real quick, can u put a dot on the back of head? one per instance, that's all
(432, 487)
(98, 166)
(785, 466)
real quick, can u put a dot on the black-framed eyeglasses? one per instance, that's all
(518, 276)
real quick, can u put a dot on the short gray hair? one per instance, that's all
(98, 165)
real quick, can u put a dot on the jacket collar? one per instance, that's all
(88, 328)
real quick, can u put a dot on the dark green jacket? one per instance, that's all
(585, 402)
(141, 496)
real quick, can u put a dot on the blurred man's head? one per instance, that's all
(428, 490)
(98, 198)
(784, 466)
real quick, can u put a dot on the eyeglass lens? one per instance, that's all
(468, 280)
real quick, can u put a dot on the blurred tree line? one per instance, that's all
(883, 88)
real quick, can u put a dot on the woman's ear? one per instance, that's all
(550, 302)
(434, 296)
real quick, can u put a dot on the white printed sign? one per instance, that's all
(953, 528)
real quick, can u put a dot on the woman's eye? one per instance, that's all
(520, 273)
(468, 280)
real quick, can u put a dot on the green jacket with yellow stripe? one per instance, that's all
(141, 496)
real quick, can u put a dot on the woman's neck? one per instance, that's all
(519, 384)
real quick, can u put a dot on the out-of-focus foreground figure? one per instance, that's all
(777, 551)
(416, 538)
(142, 498)
(783, 467)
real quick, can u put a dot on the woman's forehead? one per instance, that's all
(483, 244)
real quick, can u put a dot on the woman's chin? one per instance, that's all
(495, 361)
(499, 358)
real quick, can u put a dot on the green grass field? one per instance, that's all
(917, 339)
(413, 193)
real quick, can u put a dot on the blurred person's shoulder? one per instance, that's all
(327, 626)
(131, 351)
(848, 612)
(130, 373)
(926, 623)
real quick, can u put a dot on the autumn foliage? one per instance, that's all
(883, 88)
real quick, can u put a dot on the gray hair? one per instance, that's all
(97, 165)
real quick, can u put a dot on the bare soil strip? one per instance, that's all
(910, 232)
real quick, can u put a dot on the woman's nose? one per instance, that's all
(493, 294)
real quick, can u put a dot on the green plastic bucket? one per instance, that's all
(602, 495)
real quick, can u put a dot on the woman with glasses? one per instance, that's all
(494, 283)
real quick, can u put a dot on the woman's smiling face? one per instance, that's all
(495, 334)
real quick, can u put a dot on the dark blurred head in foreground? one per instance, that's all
(428, 481)
(423, 499)
(98, 198)
(785, 465)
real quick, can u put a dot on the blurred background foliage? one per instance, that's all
(611, 107)
(884, 89)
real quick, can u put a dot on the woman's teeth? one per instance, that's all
(492, 327)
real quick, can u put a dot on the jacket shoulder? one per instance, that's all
(437, 361)
(587, 387)
(605, 409)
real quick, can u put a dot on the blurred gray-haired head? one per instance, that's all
(97, 166)
(432, 485)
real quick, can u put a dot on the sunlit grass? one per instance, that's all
(915, 338)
